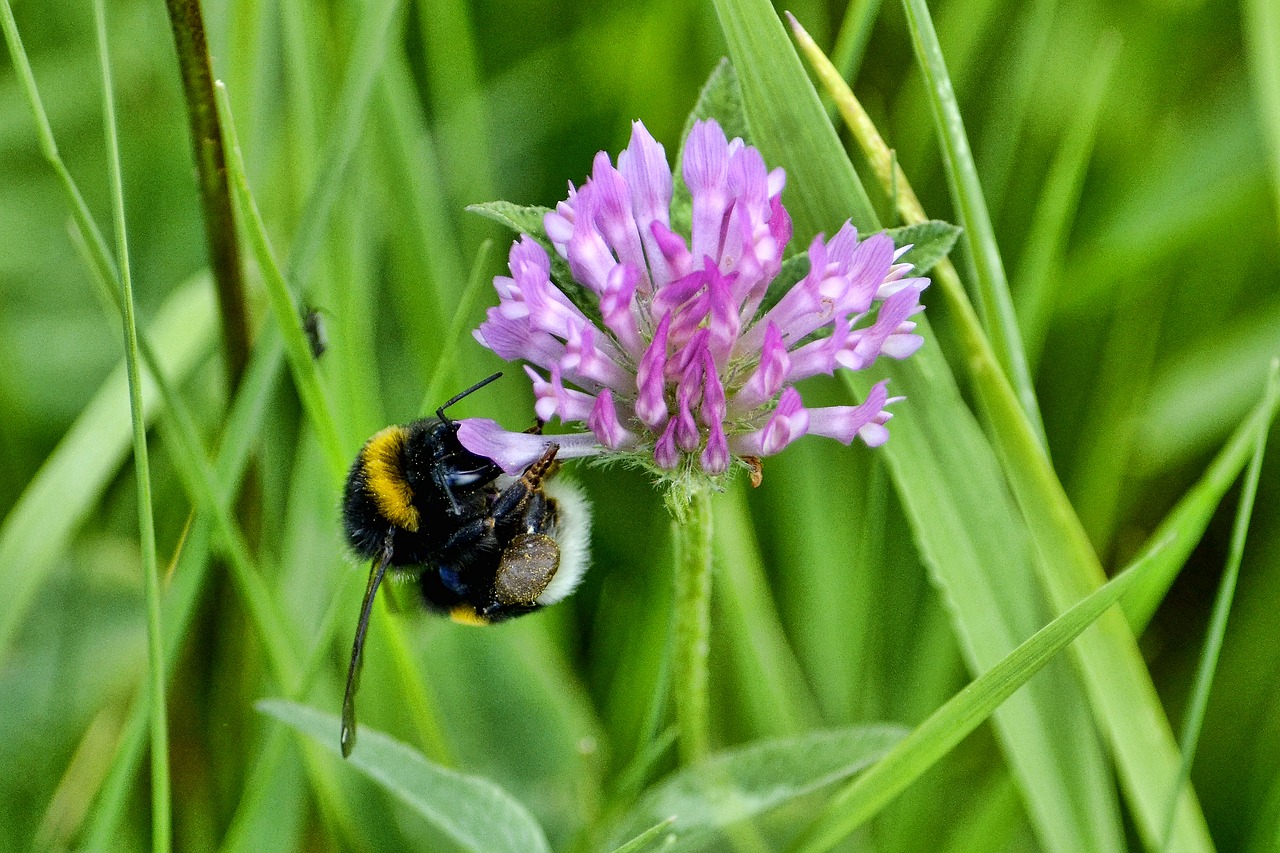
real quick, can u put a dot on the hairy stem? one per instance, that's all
(692, 532)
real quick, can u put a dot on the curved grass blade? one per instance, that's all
(653, 837)
(474, 812)
(1262, 38)
(1188, 520)
(74, 476)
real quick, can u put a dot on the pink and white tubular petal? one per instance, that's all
(766, 381)
(552, 398)
(665, 454)
(613, 212)
(515, 340)
(515, 451)
(643, 164)
(715, 458)
(866, 421)
(603, 421)
(591, 360)
(617, 307)
(862, 350)
(651, 401)
(706, 167)
(789, 421)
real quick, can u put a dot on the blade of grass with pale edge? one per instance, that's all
(966, 192)
(1124, 700)
(74, 476)
(474, 812)
(964, 522)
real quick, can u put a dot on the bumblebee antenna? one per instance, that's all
(376, 572)
(483, 382)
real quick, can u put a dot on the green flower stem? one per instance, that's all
(211, 170)
(692, 533)
(161, 806)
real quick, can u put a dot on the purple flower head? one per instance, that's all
(682, 365)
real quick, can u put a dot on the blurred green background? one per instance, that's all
(1141, 246)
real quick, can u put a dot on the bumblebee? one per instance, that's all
(483, 547)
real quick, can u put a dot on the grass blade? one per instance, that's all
(966, 192)
(1043, 252)
(1262, 38)
(297, 350)
(1189, 519)
(1221, 610)
(161, 807)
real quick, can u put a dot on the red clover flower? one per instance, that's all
(693, 368)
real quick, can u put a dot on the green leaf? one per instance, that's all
(742, 783)
(1125, 706)
(474, 812)
(930, 242)
(523, 219)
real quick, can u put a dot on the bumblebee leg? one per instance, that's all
(376, 573)
(512, 502)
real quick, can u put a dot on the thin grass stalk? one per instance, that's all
(246, 415)
(692, 530)
(361, 72)
(211, 170)
(161, 805)
(962, 175)
(1217, 632)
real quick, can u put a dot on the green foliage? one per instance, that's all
(476, 814)
(1126, 159)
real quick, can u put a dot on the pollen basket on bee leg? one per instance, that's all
(383, 459)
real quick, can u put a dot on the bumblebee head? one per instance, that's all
(438, 469)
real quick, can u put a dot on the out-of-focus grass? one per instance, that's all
(1153, 316)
